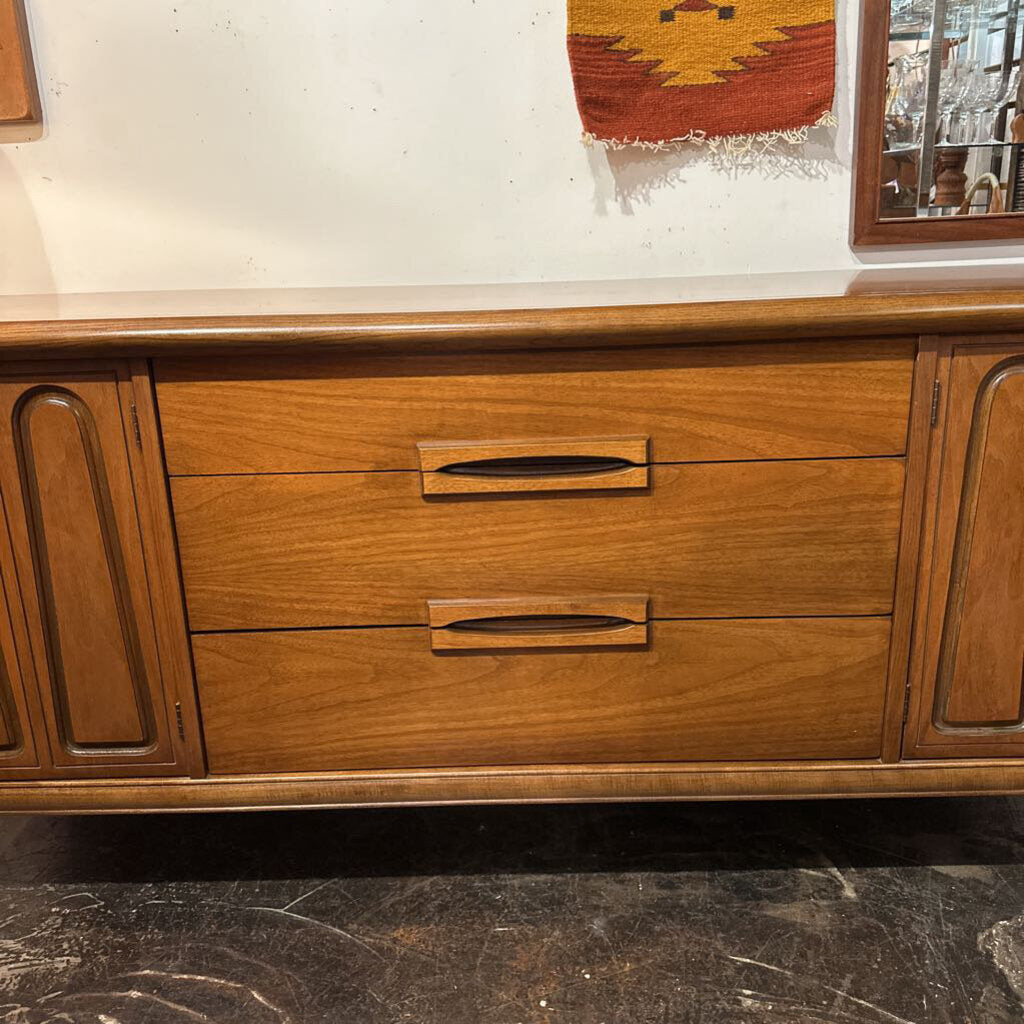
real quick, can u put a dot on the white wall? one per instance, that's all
(207, 144)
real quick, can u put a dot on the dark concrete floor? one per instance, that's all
(847, 913)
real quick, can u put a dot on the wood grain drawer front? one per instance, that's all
(716, 539)
(729, 402)
(379, 698)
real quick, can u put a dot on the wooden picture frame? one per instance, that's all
(868, 226)
(19, 91)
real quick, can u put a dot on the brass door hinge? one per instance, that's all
(136, 430)
(179, 718)
(936, 395)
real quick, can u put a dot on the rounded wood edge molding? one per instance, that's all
(579, 784)
(681, 323)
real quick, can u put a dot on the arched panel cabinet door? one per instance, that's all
(967, 674)
(92, 546)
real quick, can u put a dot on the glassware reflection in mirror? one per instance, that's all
(905, 106)
(1003, 94)
(953, 108)
(954, 85)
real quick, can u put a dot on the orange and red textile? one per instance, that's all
(653, 71)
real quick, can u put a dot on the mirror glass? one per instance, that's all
(954, 130)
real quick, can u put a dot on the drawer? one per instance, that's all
(380, 698)
(711, 403)
(713, 539)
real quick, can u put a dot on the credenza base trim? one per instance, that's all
(579, 784)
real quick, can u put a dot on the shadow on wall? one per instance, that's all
(24, 265)
(632, 175)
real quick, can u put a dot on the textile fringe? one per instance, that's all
(730, 146)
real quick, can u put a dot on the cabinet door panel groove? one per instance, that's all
(75, 538)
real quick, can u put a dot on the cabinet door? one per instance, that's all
(73, 479)
(968, 669)
(18, 751)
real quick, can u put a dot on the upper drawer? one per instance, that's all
(714, 539)
(715, 403)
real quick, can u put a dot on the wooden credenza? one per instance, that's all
(641, 553)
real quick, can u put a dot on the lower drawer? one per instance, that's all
(755, 689)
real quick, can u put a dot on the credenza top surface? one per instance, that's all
(873, 304)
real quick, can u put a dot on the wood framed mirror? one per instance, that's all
(939, 153)
(19, 94)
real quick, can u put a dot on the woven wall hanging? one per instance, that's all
(743, 73)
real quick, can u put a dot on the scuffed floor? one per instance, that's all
(894, 912)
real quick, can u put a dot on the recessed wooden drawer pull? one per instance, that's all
(490, 467)
(538, 466)
(538, 622)
(531, 624)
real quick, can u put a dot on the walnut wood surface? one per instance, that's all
(10, 721)
(599, 783)
(98, 668)
(436, 457)
(562, 634)
(19, 95)
(867, 315)
(160, 547)
(17, 740)
(969, 652)
(869, 140)
(712, 403)
(986, 664)
(918, 448)
(715, 535)
(334, 699)
(716, 539)
(82, 582)
(468, 625)
(625, 606)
